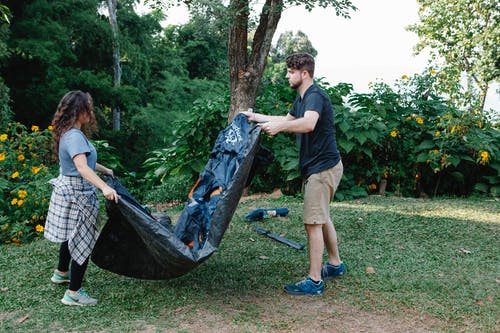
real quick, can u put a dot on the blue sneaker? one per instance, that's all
(58, 278)
(305, 287)
(329, 271)
(80, 298)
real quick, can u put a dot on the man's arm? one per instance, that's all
(262, 118)
(305, 124)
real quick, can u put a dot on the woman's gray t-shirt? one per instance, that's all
(72, 143)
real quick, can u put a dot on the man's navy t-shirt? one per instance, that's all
(318, 149)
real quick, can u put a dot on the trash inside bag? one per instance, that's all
(136, 243)
(261, 213)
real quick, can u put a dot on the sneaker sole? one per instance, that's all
(302, 294)
(75, 303)
(334, 277)
(58, 281)
(298, 293)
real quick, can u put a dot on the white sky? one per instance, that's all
(372, 45)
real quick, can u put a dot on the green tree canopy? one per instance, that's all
(465, 34)
(289, 43)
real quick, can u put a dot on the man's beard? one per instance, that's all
(296, 85)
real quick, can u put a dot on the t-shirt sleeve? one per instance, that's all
(313, 102)
(76, 144)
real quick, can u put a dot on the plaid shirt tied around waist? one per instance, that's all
(72, 216)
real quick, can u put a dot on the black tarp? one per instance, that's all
(135, 244)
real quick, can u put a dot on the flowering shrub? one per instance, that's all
(24, 172)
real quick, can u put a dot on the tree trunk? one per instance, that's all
(246, 72)
(117, 70)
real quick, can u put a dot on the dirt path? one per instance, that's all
(294, 314)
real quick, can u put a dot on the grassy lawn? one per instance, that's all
(434, 258)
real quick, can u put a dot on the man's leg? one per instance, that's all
(330, 238)
(316, 244)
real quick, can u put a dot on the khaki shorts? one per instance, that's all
(319, 191)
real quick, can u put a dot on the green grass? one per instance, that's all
(416, 246)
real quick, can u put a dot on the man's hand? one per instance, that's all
(250, 115)
(271, 127)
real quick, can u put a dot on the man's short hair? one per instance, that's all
(301, 61)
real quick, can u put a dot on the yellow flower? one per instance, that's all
(394, 133)
(35, 128)
(372, 186)
(436, 151)
(41, 218)
(480, 124)
(433, 72)
(22, 194)
(419, 121)
(14, 175)
(370, 84)
(13, 201)
(2, 156)
(35, 170)
(39, 228)
(20, 158)
(438, 133)
(404, 77)
(34, 217)
(19, 233)
(3, 137)
(485, 156)
(50, 128)
(408, 118)
(20, 203)
(277, 106)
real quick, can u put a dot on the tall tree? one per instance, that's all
(247, 58)
(117, 70)
(5, 111)
(466, 35)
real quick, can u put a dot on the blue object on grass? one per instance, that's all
(264, 213)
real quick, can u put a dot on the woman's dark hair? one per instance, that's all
(70, 107)
(301, 61)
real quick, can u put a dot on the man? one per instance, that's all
(312, 118)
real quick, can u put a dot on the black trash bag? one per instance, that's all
(263, 158)
(135, 244)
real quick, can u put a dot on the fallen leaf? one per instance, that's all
(263, 257)
(23, 319)
(479, 302)
(464, 251)
(4, 289)
(370, 270)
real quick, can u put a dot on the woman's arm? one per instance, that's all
(102, 169)
(87, 173)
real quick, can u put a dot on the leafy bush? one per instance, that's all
(412, 142)
(408, 142)
(187, 156)
(24, 172)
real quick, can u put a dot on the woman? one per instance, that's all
(74, 206)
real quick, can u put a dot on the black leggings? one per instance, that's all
(77, 271)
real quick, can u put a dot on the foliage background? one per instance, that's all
(411, 140)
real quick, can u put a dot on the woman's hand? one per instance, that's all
(110, 193)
